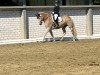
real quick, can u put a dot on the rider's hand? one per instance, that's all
(52, 12)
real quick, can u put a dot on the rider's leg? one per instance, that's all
(57, 23)
(56, 20)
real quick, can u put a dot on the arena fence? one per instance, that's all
(19, 24)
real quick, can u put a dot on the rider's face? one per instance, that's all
(56, 4)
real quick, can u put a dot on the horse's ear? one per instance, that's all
(37, 14)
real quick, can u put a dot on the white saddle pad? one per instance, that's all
(59, 19)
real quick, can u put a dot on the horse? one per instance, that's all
(49, 23)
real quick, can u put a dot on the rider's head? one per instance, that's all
(56, 2)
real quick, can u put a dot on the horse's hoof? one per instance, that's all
(61, 39)
(76, 39)
(43, 41)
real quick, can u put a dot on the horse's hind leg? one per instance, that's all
(52, 35)
(64, 33)
(73, 30)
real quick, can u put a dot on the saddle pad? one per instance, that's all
(59, 19)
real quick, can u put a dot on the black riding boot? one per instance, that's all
(57, 24)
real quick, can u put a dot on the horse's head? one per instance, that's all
(41, 16)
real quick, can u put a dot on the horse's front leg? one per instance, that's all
(52, 35)
(47, 30)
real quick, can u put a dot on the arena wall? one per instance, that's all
(20, 22)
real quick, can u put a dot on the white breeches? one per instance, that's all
(55, 16)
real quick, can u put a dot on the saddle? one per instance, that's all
(59, 19)
(54, 24)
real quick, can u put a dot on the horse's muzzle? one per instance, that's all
(40, 23)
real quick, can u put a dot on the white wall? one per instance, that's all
(11, 25)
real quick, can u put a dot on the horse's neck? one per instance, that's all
(48, 22)
(47, 18)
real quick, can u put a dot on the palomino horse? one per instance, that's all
(48, 22)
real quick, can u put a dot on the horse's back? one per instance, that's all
(66, 18)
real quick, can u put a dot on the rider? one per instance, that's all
(56, 13)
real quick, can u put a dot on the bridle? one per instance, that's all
(40, 18)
